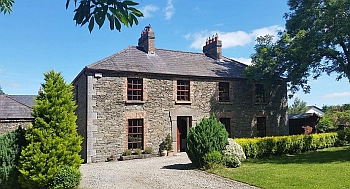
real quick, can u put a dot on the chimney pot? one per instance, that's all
(213, 47)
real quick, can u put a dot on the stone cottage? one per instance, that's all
(15, 111)
(135, 97)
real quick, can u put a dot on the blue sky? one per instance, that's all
(37, 37)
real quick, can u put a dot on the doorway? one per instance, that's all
(183, 125)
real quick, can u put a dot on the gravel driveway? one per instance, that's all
(157, 172)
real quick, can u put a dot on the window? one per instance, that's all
(135, 89)
(135, 134)
(261, 126)
(226, 122)
(183, 90)
(224, 91)
(259, 93)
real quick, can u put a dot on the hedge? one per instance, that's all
(278, 145)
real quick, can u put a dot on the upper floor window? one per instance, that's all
(135, 89)
(183, 90)
(260, 93)
(224, 88)
(135, 134)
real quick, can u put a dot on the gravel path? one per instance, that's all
(158, 172)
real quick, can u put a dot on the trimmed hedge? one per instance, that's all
(278, 145)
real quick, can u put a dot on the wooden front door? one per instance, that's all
(183, 125)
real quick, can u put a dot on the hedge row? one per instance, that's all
(278, 145)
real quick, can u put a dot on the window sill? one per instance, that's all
(183, 102)
(225, 102)
(134, 102)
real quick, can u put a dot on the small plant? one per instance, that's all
(168, 143)
(148, 150)
(68, 177)
(127, 152)
(211, 159)
(231, 161)
(137, 151)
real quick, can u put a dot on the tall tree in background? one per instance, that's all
(316, 41)
(298, 107)
(117, 12)
(52, 141)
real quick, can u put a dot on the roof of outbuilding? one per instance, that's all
(12, 108)
(134, 59)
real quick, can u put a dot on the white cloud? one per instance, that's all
(169, 10)
(247, 61)
(336, 95)
(148, 10)
(231, 39)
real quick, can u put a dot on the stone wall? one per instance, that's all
(10, 125)
(107, 103)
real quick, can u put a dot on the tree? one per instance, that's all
(209, 135)
(52, 141)
(95, 11)
(1, 92)
(316, 41)
(298, 107)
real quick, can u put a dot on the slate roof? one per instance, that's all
(134, 59)
(12, 108)
(301, 116)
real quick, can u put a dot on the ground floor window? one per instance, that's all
(135, 134)
(226, 122)
(261, 126)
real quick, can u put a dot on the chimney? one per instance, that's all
(213, 47)
(146, 40)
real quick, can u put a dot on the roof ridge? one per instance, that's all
(8, 96)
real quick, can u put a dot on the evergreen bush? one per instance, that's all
(52, 141)
(208, 135)
(212, 159)
(11, 144)
(68, 178)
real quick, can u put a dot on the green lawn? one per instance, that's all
(327, 168)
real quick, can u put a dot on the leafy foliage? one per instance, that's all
(148, 150)
(297, 107)
(69, 177)
(168, 143)
(6, 6)
(11, 144)
(117, 12)
(208, 135)
(211, 159)
(234, 149)
(278, 145)
(231, 161)
(316, 41)
(52, 141)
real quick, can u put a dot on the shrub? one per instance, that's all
(234, 149)
(137, 151)
(52, 141)
(168, 143)
(212, 158)
(148, 150)
(208, 135)
(11, 144)
(68, 177)
(270, 146)
(344, 136)
(127, 152)
(231, 161)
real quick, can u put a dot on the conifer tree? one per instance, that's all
(52, 141)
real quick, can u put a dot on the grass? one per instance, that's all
(327, 168)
